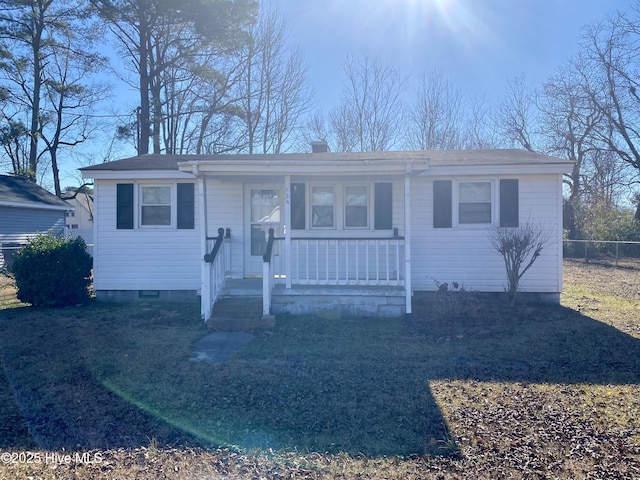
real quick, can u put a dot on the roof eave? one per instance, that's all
(292, 167)
(40, 206)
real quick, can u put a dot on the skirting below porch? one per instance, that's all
(325, 301)
(344, 301)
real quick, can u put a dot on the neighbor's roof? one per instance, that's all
(433, 158)
(22, 192)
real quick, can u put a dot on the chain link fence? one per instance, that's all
(601, 250)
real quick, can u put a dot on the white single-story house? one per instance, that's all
(25, 210)
(360, 232)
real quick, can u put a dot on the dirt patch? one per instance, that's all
(604, 278)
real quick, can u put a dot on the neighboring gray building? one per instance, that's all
(26, 209)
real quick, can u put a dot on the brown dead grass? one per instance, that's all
(528, 393)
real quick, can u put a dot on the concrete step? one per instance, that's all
(238, 314)
(238, 305)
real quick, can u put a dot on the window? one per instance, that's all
(322, 207)
(155, 205)
(356, 207)
(474, 205)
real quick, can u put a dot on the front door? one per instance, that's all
(264, 211)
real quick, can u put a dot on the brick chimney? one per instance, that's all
(319, 147)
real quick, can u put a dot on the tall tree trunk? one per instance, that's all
(34, 130)
(145, 110)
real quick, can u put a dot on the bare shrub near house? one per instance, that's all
(519, 247)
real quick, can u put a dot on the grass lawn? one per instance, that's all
(496, 392)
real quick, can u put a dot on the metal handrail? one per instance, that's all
(211, 257)
(269, 249)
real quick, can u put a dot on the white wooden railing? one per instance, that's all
(218, 266)
(342, 261)
(268, 274)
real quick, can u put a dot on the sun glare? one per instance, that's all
(461, 20)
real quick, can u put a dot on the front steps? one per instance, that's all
(239, 307)
(236, 314)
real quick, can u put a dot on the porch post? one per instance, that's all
(287, 233)
(205, 267)
(407, 242)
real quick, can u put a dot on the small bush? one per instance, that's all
(519, 247)
(52, 271)
(454, 301)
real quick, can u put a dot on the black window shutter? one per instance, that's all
(124, 206)
(509, 204)
(442, 209)
(298, 208)
(383, 206)
(186, 200)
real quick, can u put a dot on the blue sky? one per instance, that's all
(480, 44)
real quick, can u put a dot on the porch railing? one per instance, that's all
(218, 265)
(343, 261)
(268, 269)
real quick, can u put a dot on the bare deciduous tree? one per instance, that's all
(569, 120)
(611, 58)
(160, 37)
(519, 247)
(515, 117)
(369, 117)
(274, 94)
(436, 118)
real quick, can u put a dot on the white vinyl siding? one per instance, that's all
(225, 210)
(142, 259)
(463, 254)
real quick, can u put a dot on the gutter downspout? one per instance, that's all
(407, 241)
(205, 268)
(287, 233)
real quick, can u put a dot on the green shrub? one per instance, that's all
(52, 271)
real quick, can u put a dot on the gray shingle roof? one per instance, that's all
(434, 157)
(21, 190)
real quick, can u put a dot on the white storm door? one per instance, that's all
(264, 210)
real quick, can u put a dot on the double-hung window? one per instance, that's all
(155, 205)
(474, 204)
(322, 207)
(356, 206)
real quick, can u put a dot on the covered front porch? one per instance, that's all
(315, 239)
(344, 277)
